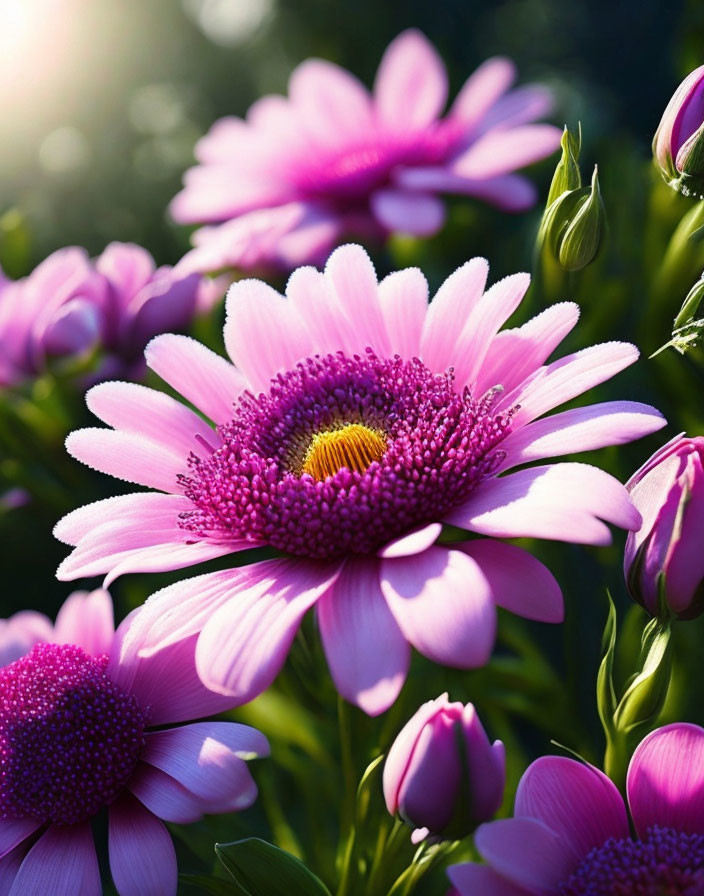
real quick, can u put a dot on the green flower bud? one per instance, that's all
(566, 176)
(583, 234)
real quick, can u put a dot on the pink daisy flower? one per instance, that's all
(77, 713)
(354, 421)
(331, 160)
(70, 305)
(570, 835)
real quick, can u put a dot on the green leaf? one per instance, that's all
(212, 886)
(262, 869)
(605, 691)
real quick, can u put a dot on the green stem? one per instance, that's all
(347, 826)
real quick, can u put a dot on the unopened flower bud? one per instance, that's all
(664, 561)
(678, 145)
(585, 226)
(442, 775)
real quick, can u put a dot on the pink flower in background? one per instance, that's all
(70, 305)
(351, 423)
(442, 775)
(83, 727)
(667, 549)
(333, 160)
(570, 833)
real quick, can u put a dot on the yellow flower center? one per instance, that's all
(353, 446)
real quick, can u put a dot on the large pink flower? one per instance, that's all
(570, 834)
(332, 160)
(354, 422)
(82, 727)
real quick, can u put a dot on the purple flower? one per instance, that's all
(570, 834)
(331, 160)
(353, 420)
(70, 305)
(84, 727)
(678, 146)
(442, 775)
(667, 549)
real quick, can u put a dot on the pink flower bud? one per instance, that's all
(678, 145)
(667, 550)
(442, 775)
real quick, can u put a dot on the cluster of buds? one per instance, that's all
(574, 221)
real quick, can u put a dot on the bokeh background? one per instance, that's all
(101, 103)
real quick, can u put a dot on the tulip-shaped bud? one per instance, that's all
(442, 775)
(678, 145)
(574, 221)
(664, 560)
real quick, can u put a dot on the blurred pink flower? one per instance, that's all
(669, 492)
(83, 727)
(354, 421)
(70, 305)
(332, 160)
(570, 833)
(442, 775)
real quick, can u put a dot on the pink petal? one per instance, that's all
(577, 801)
(166, 557)
(129, 457)
(205, 379)
(81, 522)
(245, 642)
(61, 863)
(400, 211)
(351, 273)
(333, 106)
(410, 89)
(581, 429)
(21, 632)
(510, 192)
(167, 681)
(403, 297)
(443, 605)
(519, 583)
(74, 328)
(14, 830)
(482, 89)
(263, 332)
(449, 311)
(566, 378)
(218, 192)
(526, 852)
(142, 854)
(413, 543)
(522, 105)
(127, 266)
(500, 152)
(164, 796)
(86, 620)
(480, 880)
(204, 759)
(312, 295)
(564, 502)
(514, 354)
(366, 652)
(493, 309)
(666, 780)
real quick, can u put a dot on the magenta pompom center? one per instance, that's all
(69, 737)
(663, 863)
(432, 446)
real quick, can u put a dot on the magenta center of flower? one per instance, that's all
(410, 448)
(663, 863)
(69, 737)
